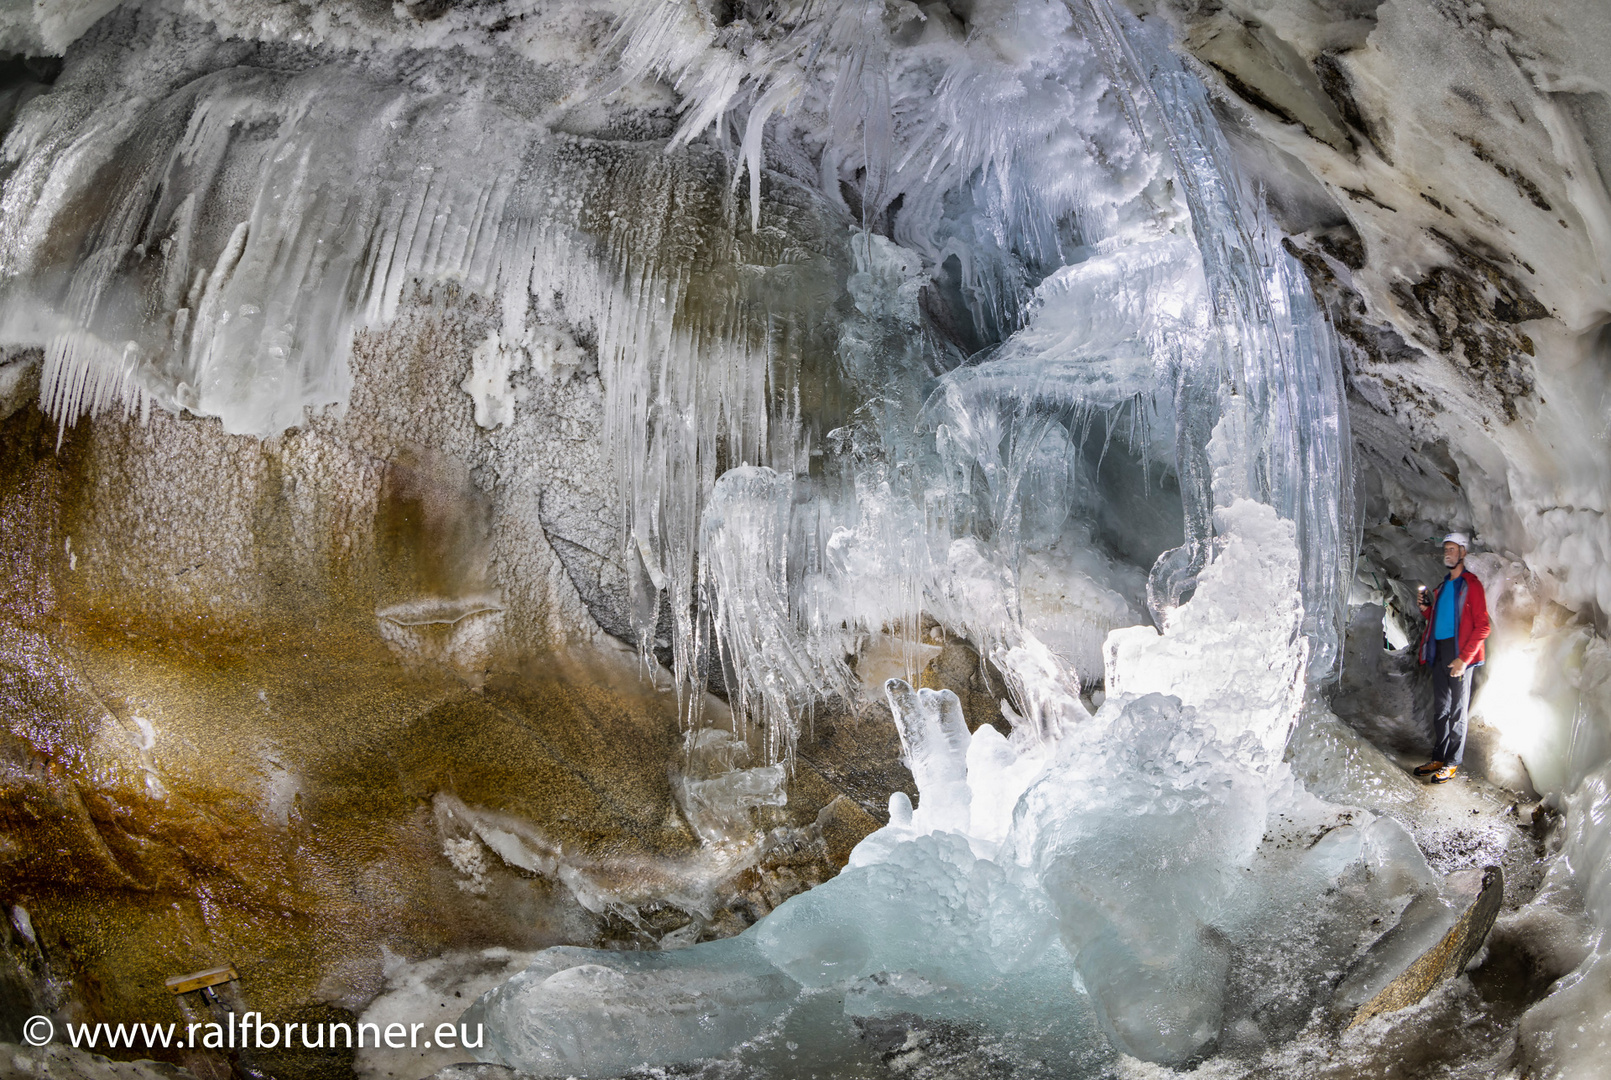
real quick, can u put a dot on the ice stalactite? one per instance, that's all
(891, 106)
(775, 671)
(247, 217)
(254, 298)
(1025, 435)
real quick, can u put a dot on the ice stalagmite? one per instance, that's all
(934, 738)
(1142, 840)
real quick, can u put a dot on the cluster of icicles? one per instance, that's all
(1132, 283)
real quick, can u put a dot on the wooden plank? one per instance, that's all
(200, 980)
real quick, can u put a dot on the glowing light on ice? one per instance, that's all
(1509, 702)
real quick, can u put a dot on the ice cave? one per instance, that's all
(805, 539)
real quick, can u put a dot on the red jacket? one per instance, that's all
(1471, 624)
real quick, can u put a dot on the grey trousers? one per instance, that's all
(1451, 699)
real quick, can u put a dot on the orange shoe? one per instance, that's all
(1428, 769)
(1443, 775)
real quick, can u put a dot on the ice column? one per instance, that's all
(934, 741)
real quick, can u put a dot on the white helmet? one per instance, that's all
(1458, 538)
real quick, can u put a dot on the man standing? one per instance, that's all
(1456, 614)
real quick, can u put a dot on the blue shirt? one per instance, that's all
(1445, 620)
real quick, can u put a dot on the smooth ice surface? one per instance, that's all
(587, 1013)
(928, 909)
(1568, 1034)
